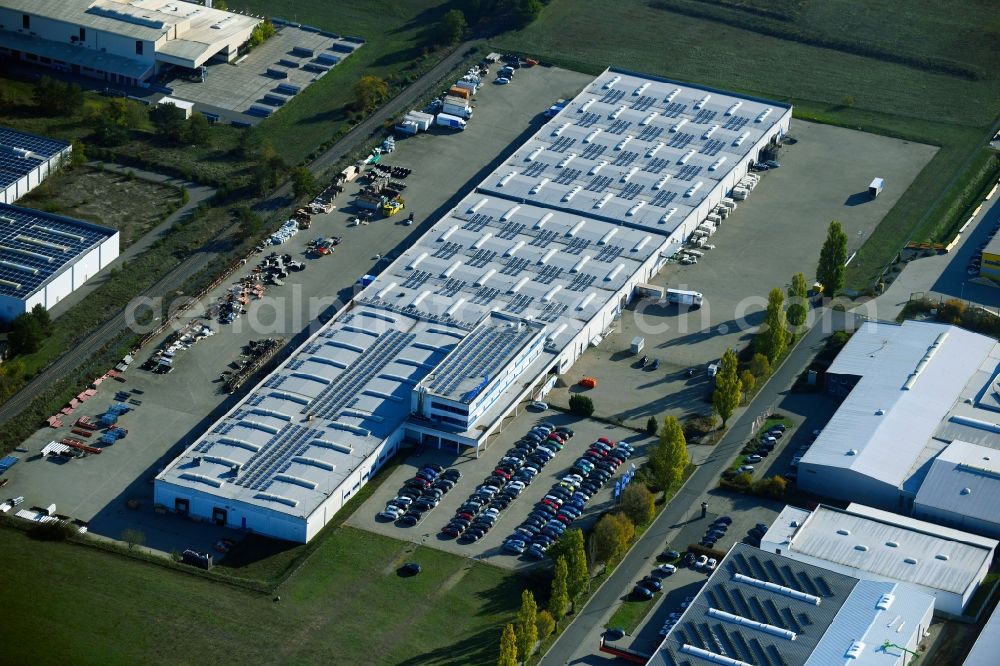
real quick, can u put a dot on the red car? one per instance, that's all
(554, 504)
(600, 452)
(605, 440)
(502, 474)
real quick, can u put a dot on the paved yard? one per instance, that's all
(775, 233)
(427, 532)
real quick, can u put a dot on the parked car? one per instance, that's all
(665, 569)
(642, 593)
(710, 566)
(652, 583)
(701, 562)
(538, 406)
(755, 458)
(745, 468)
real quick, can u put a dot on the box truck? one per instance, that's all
(458, 91)
(638, 344)
(446, 120)
(456, 107)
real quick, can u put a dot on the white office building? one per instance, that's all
(871, 544)
(121, 41)
(485, 310)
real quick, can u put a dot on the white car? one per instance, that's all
(745, 468)
(538, 405)
(666, 569)
(501, 80)
(711, 564)
(516, 485)
(700, 564)
(391, 512)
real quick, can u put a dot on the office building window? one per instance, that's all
(138, 47)
(83, 34)
(25, 21)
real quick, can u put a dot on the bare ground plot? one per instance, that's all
(131, 205)
(775, 233)
(428, 531)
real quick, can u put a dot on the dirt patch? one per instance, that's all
(128, 204)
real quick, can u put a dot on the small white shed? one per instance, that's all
(186, 107)
(875, 187)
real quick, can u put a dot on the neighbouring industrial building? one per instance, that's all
(26, 160)
(120, 41)
(486, 309)
(878, 545)
(761, 608)
(45, 257)
(917, 431)
(986, 648)
(990, 266)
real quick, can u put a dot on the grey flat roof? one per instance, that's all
(912, 375)
(477, 359)
(943, 561)
(764, 609)
(636, 150)
(36, 246)
(984, 652)
(97, 60)
(302, 431)
(964, 479)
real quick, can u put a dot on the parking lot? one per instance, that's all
(230, 89)
(775, 233)
(428, 530)
(179, 406)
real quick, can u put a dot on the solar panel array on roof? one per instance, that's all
(562, 144)
(547, 274)
(416, 279)
(511, 231)
(625, 158)
(713, 147)
(34, 246)
(688, 172)
(662, 199)
(588, 119)
(643, 103)
(609, 253)
(447, 250)
(736, 123)
(519, 303)
(599, 183)
(613, 97)
(680, 140)
(44, 147)
(705, 116)
(480, 355)
(477, 222)
(515, 266)
(650, 133)
(673, 110)
(451, 287)
(656, 165)
(593, 151)
(481, 258)
(618, 127)
(536, 169)
(576, 246)
(567, 176)
(552, 311)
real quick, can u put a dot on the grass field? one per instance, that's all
(131, 205)
(347, 605)
(725, 43)
(398, 37)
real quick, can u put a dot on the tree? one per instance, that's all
(581, 405)
(637, 503)
(26, 335)
(43, 318)
(833, 256)
(749, 382)
(571, 546)
(261, 33)
(559, 600)
(79, 155)
(168, 121)
(452, 27)
(652, 426)
(760, 366)
(109, 133)
(526, 11)
(772, 340)
(670, 457)
(303, 182)
(728, 388)
(198, 131)
(546, 624)
(508, 647)
(527, 627)
(798, 305)
(133, 537)
(611, 536)
(772, 486)
(369, 92)
(56, 97)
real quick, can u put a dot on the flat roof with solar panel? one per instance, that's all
(763, 609)
(23, 154)
(35, 246)
(302, 431)
(638, 150)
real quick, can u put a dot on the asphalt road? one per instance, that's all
(586, 624)
(278, 199)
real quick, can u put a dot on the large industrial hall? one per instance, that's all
(489, 306)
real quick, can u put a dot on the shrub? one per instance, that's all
(546, 623)
(581, 405)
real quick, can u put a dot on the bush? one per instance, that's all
(59, 530)
(581, 405)
(652, 426)
(546, 624)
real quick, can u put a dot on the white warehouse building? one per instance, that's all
(45, 257)
(26, 160)
(872, 544)
(922, 401)
(122, 41)
(483, 311)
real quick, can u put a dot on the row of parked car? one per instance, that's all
(420, 494)
(675, 617)
(567, 499)
(715, 532)
(515, 471)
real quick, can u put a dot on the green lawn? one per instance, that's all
(631, 613)
(398, 37)
(723, 43)
(71, 604)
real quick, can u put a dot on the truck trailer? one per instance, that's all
(448, 120)
(684, 297)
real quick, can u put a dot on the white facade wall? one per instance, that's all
(86, 267)
(110, 249)
(58, 287)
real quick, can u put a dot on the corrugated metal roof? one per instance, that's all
(963, 479)
(987, 646)
(881, 428)
(908, 553)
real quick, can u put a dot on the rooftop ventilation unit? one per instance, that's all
(585, 301)
(855, 651)
(763, 115)
(734, 108)
(712, 657)
(862, 547)
(673, 93)
(593, 135)
(635, 209)
(482, 239)
(658, 185)
(648, 119)
(752, 624)
(942, 557)
(566, 160)
(474, 208)
(506, 179)
(597, 167)
(641, 244)
(608, 236)
(738, 141)
(603, 200)
(586, 105)
(617, 112)
(910, 560)
(709, 132)
(885, 601)
(448, 233)
(611, 84)
(669, 214)
(545, 218)
(613, 273)
(778, 589)
(626, 176)
(446, 273)
(534, 154)
(683, 159)
(552, 293)
(548, 255)
(484, 277)
(623, 142)
(843, 532)
(559, 130)
(641, 89)
(700, 104)
(520, 283)
(678, 125)
(691, 191)
(569, 195)
(966, 491)
(718, 163)
(655, 149)
(576, 228)
(852, 452)
(538, 186)
(892, 544)
(416, 261)
(514, 248)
